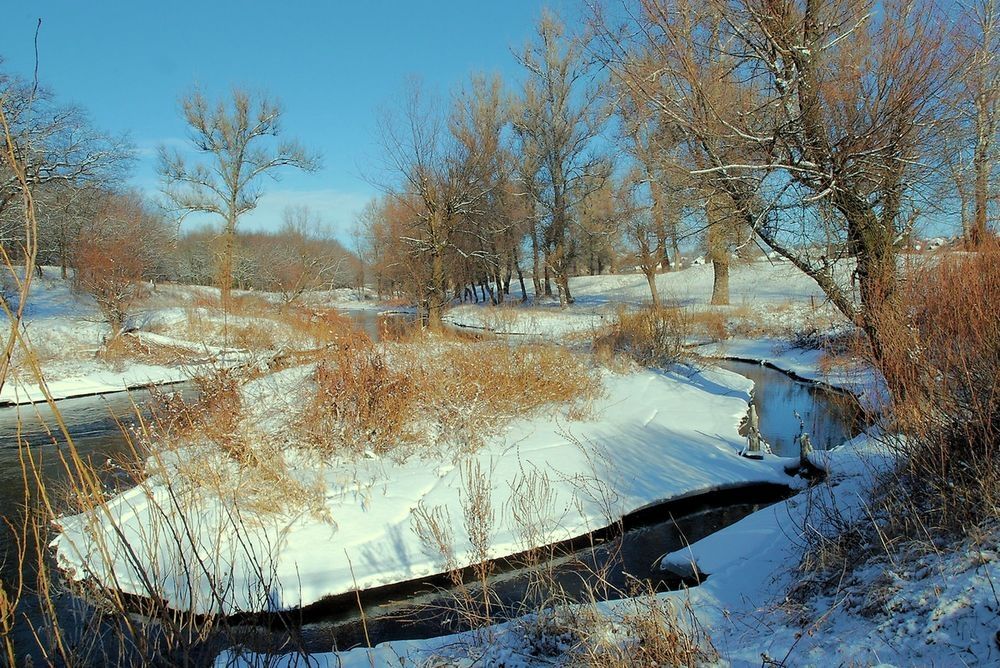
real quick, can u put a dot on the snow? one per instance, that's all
(65, 330)
(938, 609)
(653, 436)
(775, 296)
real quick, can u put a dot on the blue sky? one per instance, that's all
(332, 65)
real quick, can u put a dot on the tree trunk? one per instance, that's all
(535, 266)
(565, 298)
(435, 300)
(226, 266)
(720, 284)
(654, 293)
(983, 166)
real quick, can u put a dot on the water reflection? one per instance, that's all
(788, 407)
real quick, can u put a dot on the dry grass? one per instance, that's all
(651, 631)
(551, 626)
(256, 325)
(713, 324)
(128, 348)
(210, 445)
(652, 336)
(379, 397)
(940, 356)
(361, 402)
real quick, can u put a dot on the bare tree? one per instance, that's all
(559, 117)
(839, 118)
(977, 44)
(60, 152)
(304, 255)
(238, 145)
(441, 172)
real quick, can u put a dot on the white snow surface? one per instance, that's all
(652, 436)
(774, 294)
(940, 609)
(66, 330)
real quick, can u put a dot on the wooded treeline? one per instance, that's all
(823, 131)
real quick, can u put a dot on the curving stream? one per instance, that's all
(624, 555)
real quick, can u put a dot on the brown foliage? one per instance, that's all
(941, 360)
(111, 258)
(361, 401)
(383, 397)
(653, 336)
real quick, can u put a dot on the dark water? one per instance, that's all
(93, 424)
(787, 407)
(608, 565)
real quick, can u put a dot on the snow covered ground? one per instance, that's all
(66, 332)
(940, 609)
(773, 296)
(651, 436)
(937, 607)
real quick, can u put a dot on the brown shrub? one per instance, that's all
(473, 387)
(321, 327)
(132, 348)
(380, 397)
(940, 356)
(214, 416)
(254, 336)
(361, 402)
(652, 336)
(713, 324)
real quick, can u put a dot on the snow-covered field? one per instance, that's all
(650, 436)
(938, 610)
(66, 332)
(764, 295)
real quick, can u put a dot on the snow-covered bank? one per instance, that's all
(93, 383)
(939, 609)
(764, 295)
(807, 364)
(652, 436)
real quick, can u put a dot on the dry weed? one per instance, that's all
(940, 356)
(130, 348)
(381, 397)
(712, 324)
(651, 631)
(361, 403)
(652, 336)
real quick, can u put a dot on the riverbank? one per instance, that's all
(648, 437)
(759, 600)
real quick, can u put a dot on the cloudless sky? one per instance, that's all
(333, 65)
